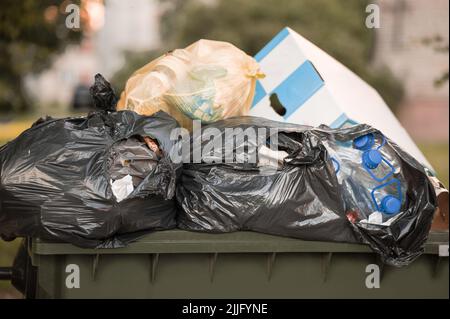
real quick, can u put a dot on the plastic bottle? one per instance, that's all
(369, 172)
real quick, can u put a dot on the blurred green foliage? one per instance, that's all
(438, 44)
(336, 27)
(134, 61)
(438, 155)
(31, 34)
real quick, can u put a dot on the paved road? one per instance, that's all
(10, 294)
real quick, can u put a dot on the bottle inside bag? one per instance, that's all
(369, 172)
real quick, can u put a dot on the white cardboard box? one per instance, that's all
(315, 89)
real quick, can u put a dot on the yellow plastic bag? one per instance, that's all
(207, 81)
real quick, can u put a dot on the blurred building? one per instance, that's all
(406, 25)
(413, 41)
(115, 26)
(129, 26)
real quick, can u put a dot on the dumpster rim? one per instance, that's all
(181, 241)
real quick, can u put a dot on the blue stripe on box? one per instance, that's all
(342, 121)
(349, 123)
(298, 87)
(339, 121)
(259, 93)
(272, 44)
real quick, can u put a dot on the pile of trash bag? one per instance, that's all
(206, 81)
(300, 198)
(100, 180)
(300, 192)
(105, 179)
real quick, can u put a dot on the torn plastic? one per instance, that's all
(55, 179)
(400, 239)
(207, 81)
(303, 198)
(370, 175)
(133, 157)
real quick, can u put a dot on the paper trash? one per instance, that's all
(314, 89)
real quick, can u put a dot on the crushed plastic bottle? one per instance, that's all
(369, 173)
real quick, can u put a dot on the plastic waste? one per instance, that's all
(387, 194)
(295, 195)
(207, 81)
(122, 187)
(268, 157)
(369, 173)
(55, 177)
(133, 156)
(305, 197)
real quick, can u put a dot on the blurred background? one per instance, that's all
(46, 68)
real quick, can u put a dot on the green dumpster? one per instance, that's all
(181, 264)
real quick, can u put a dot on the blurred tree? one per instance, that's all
(134, 61)
(438, 45)
(336, 27)
(31, 34)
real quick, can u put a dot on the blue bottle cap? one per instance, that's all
(390, 205)
(364, 142)
(372, 158)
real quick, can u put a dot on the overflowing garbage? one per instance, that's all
(91, 181)
(105, 179)
(322, 190)
(300, 198)
(370, 175)
(388, 197)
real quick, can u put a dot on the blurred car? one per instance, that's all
(82, 98)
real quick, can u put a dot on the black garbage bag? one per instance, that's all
(56, 178)
(103, 94)
(399, 239)
(302, 197)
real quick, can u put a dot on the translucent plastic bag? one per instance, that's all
(207, 81)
